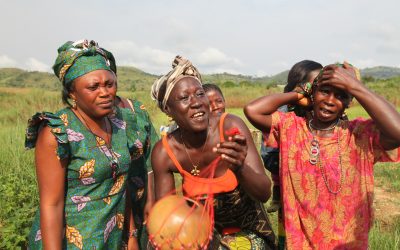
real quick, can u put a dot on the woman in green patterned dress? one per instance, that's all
(87, 155)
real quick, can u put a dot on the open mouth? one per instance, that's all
(198, 115)
(326, 111)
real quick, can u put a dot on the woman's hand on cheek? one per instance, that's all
(233, 151)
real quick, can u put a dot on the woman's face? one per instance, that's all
(95, 92)
(329, 103)
(188, 105)
(217, 102)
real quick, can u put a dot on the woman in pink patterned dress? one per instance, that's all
(326, 163)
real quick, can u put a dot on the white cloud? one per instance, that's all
(282, 64)
(212, 60)
(389, 47)
(213, 57)
(128, 53)
(384, 30)
(6, 61)
(336, 57)
(32, 64)
(158, 61)
(365, 63)
(236, 36)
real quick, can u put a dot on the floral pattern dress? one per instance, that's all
(96, 176)
(314, 217)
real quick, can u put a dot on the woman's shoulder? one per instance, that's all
(133, 105)
(59, 119)
(230, 120)
(56, 124)
(160, 157)
(134, 111)
(361, 126)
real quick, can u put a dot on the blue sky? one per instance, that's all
(251, 37)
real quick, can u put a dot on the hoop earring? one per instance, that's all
(73, 104)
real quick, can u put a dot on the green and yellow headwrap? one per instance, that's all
(81, 57)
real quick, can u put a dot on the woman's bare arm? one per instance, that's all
(164, 183)
(259, 111)
(51, 180)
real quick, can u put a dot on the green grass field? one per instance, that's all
(18, 189)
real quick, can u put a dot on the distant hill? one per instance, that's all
(279, 78)
(380, 72)
(11, 77)
(130, 78)
(227, 79)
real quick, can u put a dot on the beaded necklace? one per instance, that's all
(315, 155)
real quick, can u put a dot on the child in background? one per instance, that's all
(216, 98)
(302, 72)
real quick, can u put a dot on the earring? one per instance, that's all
(73, 104)
(344, 115)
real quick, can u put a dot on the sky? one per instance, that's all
(249, 37)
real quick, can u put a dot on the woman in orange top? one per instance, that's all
(239, 183)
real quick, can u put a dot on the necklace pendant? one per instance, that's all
(195, 171)
(313, 161)
(314, 151)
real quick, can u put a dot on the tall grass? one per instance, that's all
(384, 236)
(18, 187)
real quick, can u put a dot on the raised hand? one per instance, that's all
(342, 76)
(233, 151)
(304, 93)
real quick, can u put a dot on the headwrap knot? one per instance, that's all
(181, 67)
(81, 57)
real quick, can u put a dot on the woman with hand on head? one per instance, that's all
(239, 183)
(326, 163)
(83, 157)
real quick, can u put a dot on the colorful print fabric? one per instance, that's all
(236, 209)
(313, 217)
(78, 58)
(95, 191)
(141, 139)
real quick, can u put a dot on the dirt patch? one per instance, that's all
(386, 204)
